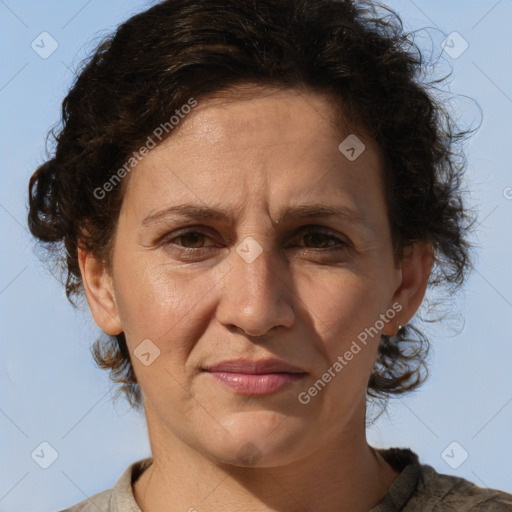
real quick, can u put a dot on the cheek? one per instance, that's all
(156, 301)
(346, 310)
(341, 304)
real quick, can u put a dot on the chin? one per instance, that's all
(259, 439)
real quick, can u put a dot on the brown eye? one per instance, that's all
(188, 240)
(192, 240)
(314, 238)
(318, 238)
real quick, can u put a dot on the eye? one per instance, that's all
(193, 240)
(190, 239)
(315, 237)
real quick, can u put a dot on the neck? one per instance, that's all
(342, 473)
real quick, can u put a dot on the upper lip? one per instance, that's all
(270, 365)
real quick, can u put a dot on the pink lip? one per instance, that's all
(256, 384)
(269, 365)
(255, 377)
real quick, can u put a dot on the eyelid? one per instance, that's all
(310, 228)
(169, 237)
(339, 238)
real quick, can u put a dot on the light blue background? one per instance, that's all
(50, 390)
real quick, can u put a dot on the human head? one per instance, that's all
(158, 60)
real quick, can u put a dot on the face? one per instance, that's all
(281, 248)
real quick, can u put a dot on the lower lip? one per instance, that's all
(252, 384)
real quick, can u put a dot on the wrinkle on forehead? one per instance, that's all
(203, 120)
(247, 151)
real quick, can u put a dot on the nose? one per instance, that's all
(256, 296)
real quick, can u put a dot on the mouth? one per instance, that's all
(256, 383)
(258, 377)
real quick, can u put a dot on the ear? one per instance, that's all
(415, 271)
(99, 292)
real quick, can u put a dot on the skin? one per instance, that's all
(253, 156)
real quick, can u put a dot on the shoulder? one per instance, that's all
(419, 487)
(440, 492)
(100, 502)
(117, 499)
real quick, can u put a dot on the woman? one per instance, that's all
(254, 198)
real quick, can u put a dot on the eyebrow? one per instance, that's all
(199, 212)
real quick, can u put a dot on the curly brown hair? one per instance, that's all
(138, 77)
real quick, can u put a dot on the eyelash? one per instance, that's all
(341, 245)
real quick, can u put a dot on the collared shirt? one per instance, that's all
(418, 487)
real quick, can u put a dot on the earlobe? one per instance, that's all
(415, 272)
(99, 292)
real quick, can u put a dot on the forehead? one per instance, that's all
(278, 147)
(258, 111)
